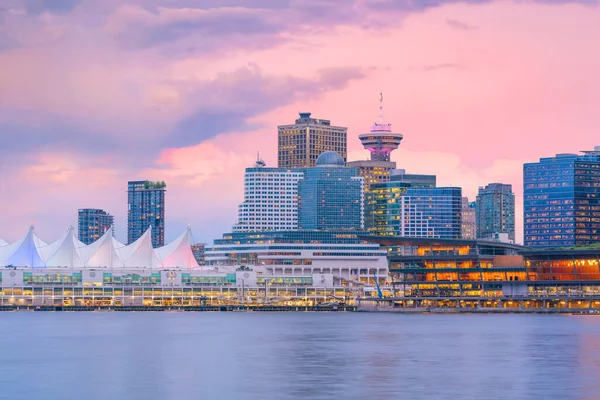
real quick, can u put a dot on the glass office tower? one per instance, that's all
(402, 210)
(331, 195)
(145, 207)
(561, 197)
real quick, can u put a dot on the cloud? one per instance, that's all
(437, 67)
(136, 28)
(463, 26)
(52, 6)
(204, 108)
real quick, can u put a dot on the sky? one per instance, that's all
(94, 93)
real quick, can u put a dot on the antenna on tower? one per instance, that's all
(381, 108)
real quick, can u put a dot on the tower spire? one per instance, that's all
(381, 108)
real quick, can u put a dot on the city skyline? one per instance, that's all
(459, 106)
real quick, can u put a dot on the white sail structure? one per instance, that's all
(106, 252)
(66, 254)
(46, 250)
(178, 254)
(23, 252)
(140, 254)
(101, 253)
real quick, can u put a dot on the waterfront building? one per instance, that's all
(301, 143)
(402, 210)
(198, 251)
(441, 270)
(270, 199)
(331, 195)
(495, 211)
(92, 223)
(561, 197)
(468, 219)
(340, 253)
(145, 209)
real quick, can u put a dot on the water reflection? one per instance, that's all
(297, 356)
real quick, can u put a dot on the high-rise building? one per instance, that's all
(469, 219)
(331, 195)
(145, 208)
(402, 210)
(561, 197)
(92, 223)
(495, 211)
(270, 199)
(301, 143)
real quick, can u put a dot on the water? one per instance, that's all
(282, 356)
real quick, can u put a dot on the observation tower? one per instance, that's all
(381, 141)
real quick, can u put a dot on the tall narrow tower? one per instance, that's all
(381, 141)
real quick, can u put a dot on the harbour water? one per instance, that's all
(180, 355)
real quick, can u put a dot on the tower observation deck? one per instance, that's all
(381, 141)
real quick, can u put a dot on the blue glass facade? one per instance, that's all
(402, 210)
(145, 207)
(331, 197)
(561, 197)
(93, 223)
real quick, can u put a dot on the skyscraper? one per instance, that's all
(495, 211)
(300, 144)
(469, 219)
(331, 195)
(561, 197)
(399, 209)
(146, 207)
(93, 223)
(270, 199)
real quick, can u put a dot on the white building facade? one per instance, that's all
(270, 199)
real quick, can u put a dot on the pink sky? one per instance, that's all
(93, 94)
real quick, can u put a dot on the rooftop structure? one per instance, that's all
(381, 141)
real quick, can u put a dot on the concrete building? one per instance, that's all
(495, 211)
(561, 197)
(331, 195)
(270, 199)
(469, 219)
(301, 143)
(145, 209)
(92, 223)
